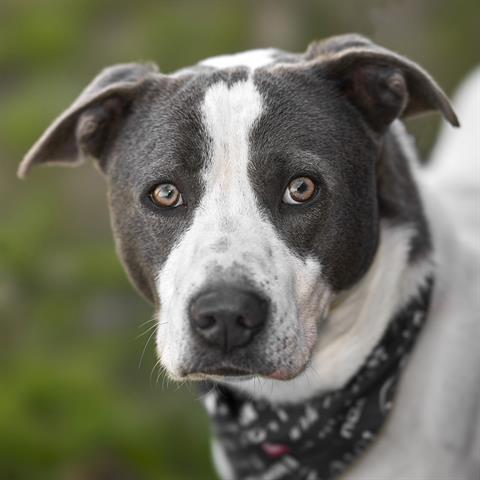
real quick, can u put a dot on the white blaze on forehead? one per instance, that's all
(229, 114)
(252, 59)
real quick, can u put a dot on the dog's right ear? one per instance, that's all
(82, 130)
(382, 85)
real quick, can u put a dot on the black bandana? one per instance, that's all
(317, 439)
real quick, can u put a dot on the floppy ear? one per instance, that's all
(381, 84)
(82, 130)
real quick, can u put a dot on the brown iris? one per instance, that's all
(299, 190)
(166, 195)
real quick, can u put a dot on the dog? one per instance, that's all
(316, 280)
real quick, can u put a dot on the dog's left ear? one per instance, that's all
(380, 83)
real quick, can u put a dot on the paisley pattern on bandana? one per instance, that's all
(320, 438)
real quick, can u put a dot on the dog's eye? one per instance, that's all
(166, 195)
(299, 190)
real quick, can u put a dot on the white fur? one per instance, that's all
(220, 460)
(455, 167)
(355, 323)
(230, 238)
(251, 58)
(434, 430)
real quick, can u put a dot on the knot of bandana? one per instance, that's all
(317, 439)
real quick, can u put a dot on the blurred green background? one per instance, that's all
(76, 401)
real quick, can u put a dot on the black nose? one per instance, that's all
(228, 317)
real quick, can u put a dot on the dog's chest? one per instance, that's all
(433, 432)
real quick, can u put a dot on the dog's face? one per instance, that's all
(234, 150)
(244, 199)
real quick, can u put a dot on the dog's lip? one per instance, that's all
(233, 378)
(226, 371)
(234, 374)
(222, 372)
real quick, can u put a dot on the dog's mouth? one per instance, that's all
(228, 372)
(222, 373)
(238, 374)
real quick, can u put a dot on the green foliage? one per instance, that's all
(74, 403)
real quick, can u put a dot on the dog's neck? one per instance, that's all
(359, 317)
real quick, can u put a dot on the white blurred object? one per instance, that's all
(455, 160)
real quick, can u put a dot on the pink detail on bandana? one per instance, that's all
(275, 450)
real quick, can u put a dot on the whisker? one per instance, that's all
(148, 321)
(315, 371)
(156, 364)
(309, 381)
(145, 348)
(149, 329)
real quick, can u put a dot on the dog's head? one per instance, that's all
(245, 191)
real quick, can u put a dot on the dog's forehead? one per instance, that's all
(197, 81)
(173, 128)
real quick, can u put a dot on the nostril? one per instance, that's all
(249, 322)
(205, 321)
